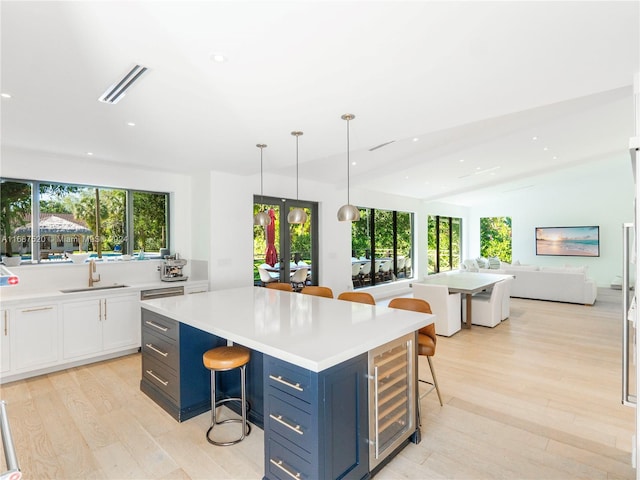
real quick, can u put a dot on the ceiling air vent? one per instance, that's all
(381, 145)
(116, 91)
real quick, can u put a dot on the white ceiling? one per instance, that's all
(472, 82)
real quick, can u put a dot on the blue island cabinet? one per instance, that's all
(316, 424)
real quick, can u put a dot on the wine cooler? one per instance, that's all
(392, 404)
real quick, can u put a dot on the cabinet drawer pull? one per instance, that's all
(279, 464)
(278, 418)
(150, 345)
(288, 384)
(37, 309)
(163, 382)
(155, 325)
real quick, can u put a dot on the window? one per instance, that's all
(382, 243)
(495, 238)
(66, 218)
(444, 243)
(281, 249)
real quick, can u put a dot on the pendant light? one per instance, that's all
(261, 218)
(297, 215)
(348, 213)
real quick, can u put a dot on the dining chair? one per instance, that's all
(317, 291)
(444, 305)
(265, 278)
(358, 297)
(355, 273)
(386, 270)
(285, 287)
(487, 307)
(299, 279)
(426, 337)
(365, 273)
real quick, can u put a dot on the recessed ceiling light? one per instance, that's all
(534, 138)
(89, 153)
(545, 148)
(131, 124)
(461, 160)
(416, 139)
(5, 95)
(354, 163)
(555, 157)
(218, 58)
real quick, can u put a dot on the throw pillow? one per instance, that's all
(494, 263)
(471, 265)
(482, 262)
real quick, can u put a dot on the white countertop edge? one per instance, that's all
(56, 295)
(315, 366)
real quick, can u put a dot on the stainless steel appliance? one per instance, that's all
(161, 292)
(171, 270)
(392, 396)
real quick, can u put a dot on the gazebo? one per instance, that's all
(55, 225)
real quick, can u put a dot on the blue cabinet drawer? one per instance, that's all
(159, 325)
(291, 422)
(288, 378)
(161, 348)
(161, 377)
(285, 465)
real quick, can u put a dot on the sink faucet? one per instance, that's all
(92, 270)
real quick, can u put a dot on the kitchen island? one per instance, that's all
(316, 378)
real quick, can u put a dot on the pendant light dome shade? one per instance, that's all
(348, 212)
(261, 218)
(297, 215)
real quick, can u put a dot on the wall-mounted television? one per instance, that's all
(568, 241)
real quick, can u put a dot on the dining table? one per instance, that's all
(466, 283)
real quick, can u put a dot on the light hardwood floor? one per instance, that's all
(535, 397)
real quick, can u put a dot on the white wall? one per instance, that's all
(212, 213)
(31, 165)
(600, 193)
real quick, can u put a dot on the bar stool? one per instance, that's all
(221, 359)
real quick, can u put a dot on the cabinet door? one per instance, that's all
(121, 322)
(82, 328)
(35, 337)
(5, 347)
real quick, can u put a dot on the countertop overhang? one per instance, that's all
(312, 332)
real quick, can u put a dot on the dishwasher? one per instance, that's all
(162, 292)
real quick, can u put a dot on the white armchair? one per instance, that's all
(506, 298)
(444, 305)
(486, 309)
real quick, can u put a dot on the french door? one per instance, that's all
(282, 246)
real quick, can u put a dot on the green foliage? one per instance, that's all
(15, 207)
(495, 238)
(444, 243)
(149, 224)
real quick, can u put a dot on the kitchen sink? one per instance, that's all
(92, 289)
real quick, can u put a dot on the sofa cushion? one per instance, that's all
(494, 263)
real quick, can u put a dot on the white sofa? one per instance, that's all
(558, 284)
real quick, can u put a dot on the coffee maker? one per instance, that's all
(171, 269)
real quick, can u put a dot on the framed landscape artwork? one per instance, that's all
(568, 241)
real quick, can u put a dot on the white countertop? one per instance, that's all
(313, 332)
(54, 293)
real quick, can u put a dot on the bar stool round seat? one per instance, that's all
(221, 359)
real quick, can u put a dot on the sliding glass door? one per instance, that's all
(282, 248)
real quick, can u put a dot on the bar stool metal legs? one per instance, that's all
(223, 359)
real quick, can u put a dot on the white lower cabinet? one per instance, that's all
(5, 340)
(35, 337)
(100, 325)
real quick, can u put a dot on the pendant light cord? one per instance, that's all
(297, 196)
(348, 166)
